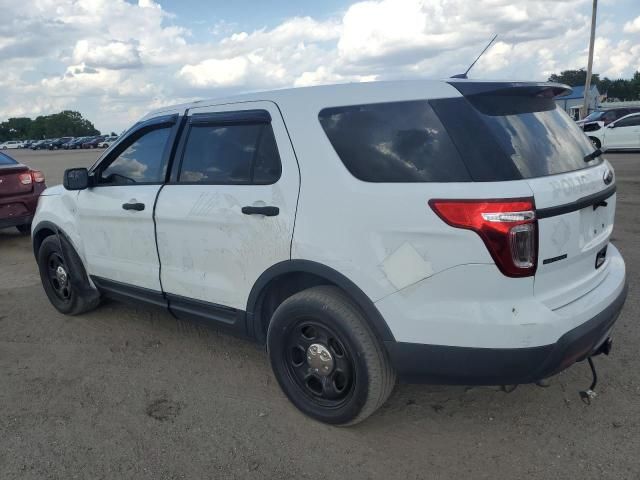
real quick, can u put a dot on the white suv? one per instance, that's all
(11, 144)
(435, 231)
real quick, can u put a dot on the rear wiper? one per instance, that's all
(595, 154)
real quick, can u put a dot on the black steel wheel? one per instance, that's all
(319, 363)
(64, 279)
(326, 358)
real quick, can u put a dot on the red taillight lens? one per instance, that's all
(37, 176)
(507, 227)
(25, 178)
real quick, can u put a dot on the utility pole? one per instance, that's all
(587, 83)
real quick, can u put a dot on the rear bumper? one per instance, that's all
(15, 221)
(420, 363)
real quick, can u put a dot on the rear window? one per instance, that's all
(514, 137)
(393, 142)
(5, 160)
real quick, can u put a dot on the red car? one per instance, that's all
(20, 188)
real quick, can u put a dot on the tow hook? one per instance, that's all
(589, 394)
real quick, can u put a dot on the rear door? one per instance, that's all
(228, 213)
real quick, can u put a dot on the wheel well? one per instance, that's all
(277, 291)
(39, 237)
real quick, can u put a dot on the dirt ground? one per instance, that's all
(128, 392)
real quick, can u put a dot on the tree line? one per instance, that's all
(64, 124)
(621, 88)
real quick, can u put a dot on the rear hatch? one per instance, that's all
(11, 178)
(510, 132)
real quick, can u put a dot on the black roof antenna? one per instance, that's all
(464, 75)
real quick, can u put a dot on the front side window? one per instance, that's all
(141, 162)
(230, 154)
(629, 122)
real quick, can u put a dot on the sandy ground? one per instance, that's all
(126, 392)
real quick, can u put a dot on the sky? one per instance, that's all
(114, 60)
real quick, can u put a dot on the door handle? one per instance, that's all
(266, 211)
(138, 207)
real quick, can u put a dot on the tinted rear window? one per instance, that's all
(5, 160)
(393, 142)
(514, 137)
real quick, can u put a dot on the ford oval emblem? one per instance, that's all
(608, 176)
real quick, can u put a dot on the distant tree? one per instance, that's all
(622, 89)
(65, 123)
(574, 78)
(114, 134)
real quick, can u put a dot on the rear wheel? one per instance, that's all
(595, 142)
(61, 281)
(326, 358)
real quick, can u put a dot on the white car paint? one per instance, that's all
(622, 134)
(11, 144)
(432, 283)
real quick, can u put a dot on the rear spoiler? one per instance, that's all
(525, 89)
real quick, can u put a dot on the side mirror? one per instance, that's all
(76, 179)
(611, 125)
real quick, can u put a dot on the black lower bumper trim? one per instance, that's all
(446, 365)
(15, 221)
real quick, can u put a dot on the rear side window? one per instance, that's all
(5, 160)
(230, 154)
(393, 142)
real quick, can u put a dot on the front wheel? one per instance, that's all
(595, 142)
(326, 358)
(62, 282)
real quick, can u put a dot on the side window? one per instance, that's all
(629, 122)
(141, 162)
(393, 142)
(230, 154)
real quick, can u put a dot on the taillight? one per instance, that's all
(37, 176)
(25, 178)
(508, 228)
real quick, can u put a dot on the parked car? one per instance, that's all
(38, 145)
(601, 118)
(75, 143)
(20, 188)
(27, 143)
(93, 142)
(11, 144)
(58, 143)
(622, 134)
(107, 142)
(448, 232)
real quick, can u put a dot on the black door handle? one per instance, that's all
(266, 211)
(133, 206)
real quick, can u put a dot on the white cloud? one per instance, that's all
(633, 26)
(114, 59)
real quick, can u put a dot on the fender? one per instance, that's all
(81, 281)
(371, 313)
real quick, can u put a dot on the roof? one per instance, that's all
(363, 92)
(578, 92)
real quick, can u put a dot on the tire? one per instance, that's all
(24, 229)
(65, 291)
(326, 358)
(595, 142)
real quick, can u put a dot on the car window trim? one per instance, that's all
(226, 118)
(134, 134)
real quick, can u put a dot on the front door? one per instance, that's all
(115, 215)
(625, 133)
(228, 213)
